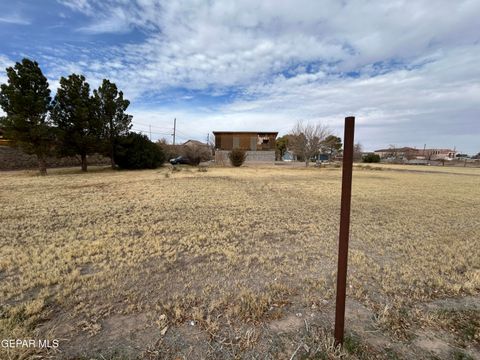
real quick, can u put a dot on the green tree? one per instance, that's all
(332, 145)
(371, 158)
(136, 151)
(110, 107)
(26, 101)
(281, 144)
(73, 113)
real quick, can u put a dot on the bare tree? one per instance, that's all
(357, 152)
(392, 151)
(306, 139)
(197, 153)
(428, 154)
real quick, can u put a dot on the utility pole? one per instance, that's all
(150, 129)
(208, 138)
(174, 129)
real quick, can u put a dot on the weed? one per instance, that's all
(238, 245)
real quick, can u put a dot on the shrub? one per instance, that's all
(237, 157)
(135, 151)
(197, 153)
(170, 151)
(371, 158)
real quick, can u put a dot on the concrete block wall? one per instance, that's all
(221, 157)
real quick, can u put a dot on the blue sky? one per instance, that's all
(406, 69)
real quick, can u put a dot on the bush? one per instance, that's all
(237, 157)
(135, 151)
(197, 154)
(170, 151)
(371, 158)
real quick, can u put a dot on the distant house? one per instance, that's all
(260, 146)
(289, 156)
(397, 153)
(418, 154)
(196, 151)
(245, 140)
(194, 143)
(438, 154)
(322, 158)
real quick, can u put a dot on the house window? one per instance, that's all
(253, 143)
(236, 142)
(263, 140)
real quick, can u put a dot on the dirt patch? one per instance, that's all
(118, 335)
(290, 323)
(433, 345)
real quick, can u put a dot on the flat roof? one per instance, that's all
(245, 132)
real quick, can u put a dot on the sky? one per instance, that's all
(409, 71)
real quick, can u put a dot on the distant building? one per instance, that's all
(438, 154)
(409, 153)
(260, 146)
(397, 153)
(193, 143)
(289, 156)
(245, 140)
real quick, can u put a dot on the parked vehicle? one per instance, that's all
(179, 160)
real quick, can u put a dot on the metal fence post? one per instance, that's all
(344, 228)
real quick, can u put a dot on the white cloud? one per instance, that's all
(14, 18)
(197, 44)
(439, 101)
(416, 63)
(5, 62)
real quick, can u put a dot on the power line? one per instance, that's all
(153, 126)
(152, 132)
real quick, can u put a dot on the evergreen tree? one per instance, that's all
(26, 101)
(136, 151)
(332, 145)
(281, 145)
(110, 109)
(73, 113)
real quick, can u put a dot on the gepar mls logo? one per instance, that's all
(30, 343)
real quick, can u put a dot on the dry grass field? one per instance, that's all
(239, 263)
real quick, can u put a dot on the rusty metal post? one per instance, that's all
(344, 228)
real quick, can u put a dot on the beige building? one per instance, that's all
(259, 146)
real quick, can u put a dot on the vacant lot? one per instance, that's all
(239, 263)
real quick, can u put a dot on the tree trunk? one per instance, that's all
(42, 164)
(306, 162)
(112, 153)
(84, 162)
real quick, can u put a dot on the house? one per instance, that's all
(409, 153)
(397, 153)
(438, 154)
(259, 146)
(194, 143)
(289, 156)
(196, 151)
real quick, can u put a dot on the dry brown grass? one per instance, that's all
(228, 248)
